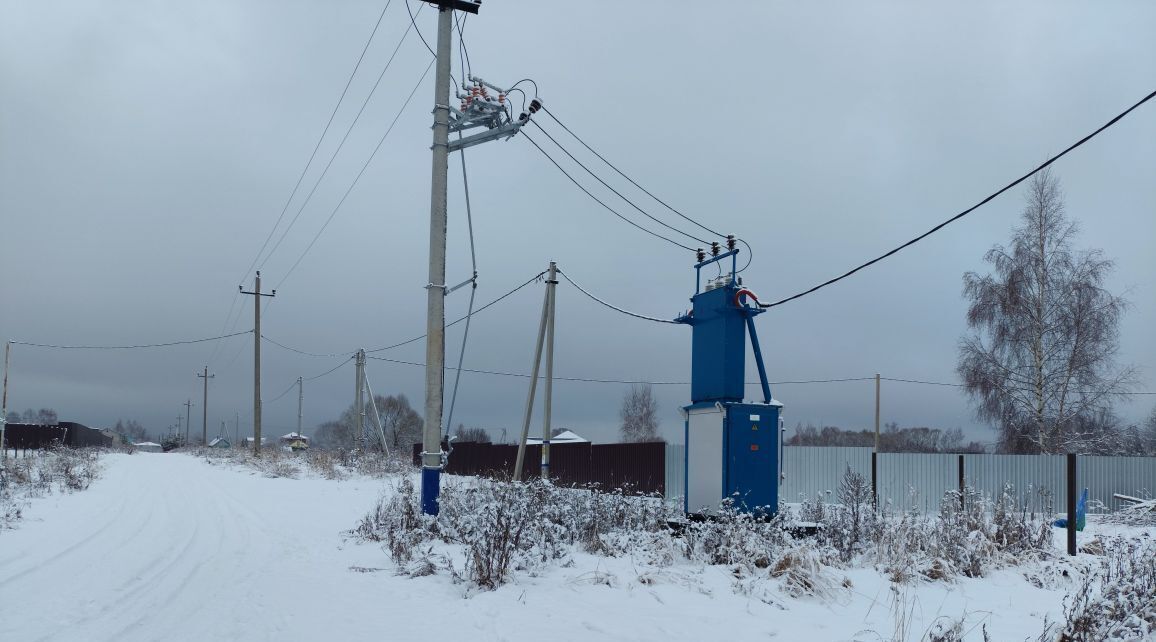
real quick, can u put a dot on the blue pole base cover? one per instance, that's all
(430, 487)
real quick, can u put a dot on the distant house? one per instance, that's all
(295, 441)
(220, 442)
(248, 442)
(149, 447)
(564, 437)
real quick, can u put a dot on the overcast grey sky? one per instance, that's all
(147, 148)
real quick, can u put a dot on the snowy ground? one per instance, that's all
(169, 546)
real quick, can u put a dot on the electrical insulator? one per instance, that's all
(730, 241)
(714, 248)
(700, 254)
(501, 99)
(535, 105)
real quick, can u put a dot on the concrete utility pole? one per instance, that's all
(359, 401)
(533, 386)
(435, 345)
(551, 282)
(257, 359)
(478, 110)
(300, 402)
(188, 416)
(876, 412)
(205, 407)
(4, 403)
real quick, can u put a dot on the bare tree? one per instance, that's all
(639, 415)
(473, 433)
(132, 430)
(333, 434)
(44, 417)
(401, 424)
(1040, 361)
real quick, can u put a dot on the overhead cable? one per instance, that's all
(968, 210)
(320, 138)
(303, 352)
(598, 200)
(960, 385)
(623, 175)
(616, 192)
(460, 319)
(130, 347)
(523, 375)
(337, 150)
(304, 170)
(473, 289)
(291, 386)
(358, 177)
(611, 306)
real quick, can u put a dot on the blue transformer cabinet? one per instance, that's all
(733, 448)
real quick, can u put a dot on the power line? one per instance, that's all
(611, 306)
(596, 199)
(616, 192)
(130, 347)
(926, 383)
(463, 51)
(340, 145)
(460, 319)
(523, 375)
(302, 352)
(359, 175)
(968, 210)
(317, 146)
(292, 385)
(623, 174)
(418, 30)
(304, 170)
(960, 385)
(329, 371)
(473, 287)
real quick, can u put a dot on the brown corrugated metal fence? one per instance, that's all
(636, 468)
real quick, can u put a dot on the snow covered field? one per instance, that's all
(173, 547)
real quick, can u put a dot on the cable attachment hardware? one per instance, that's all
(489, 112)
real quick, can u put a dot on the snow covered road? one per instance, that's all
(173, 547)
(170, 547)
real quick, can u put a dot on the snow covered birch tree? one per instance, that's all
(1040, 360)
(639, 415)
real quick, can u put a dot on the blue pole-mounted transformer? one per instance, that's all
(733, 447)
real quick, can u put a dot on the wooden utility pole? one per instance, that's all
(205, 407)
(257, 294)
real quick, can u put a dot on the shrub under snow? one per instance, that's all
(63, 469)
